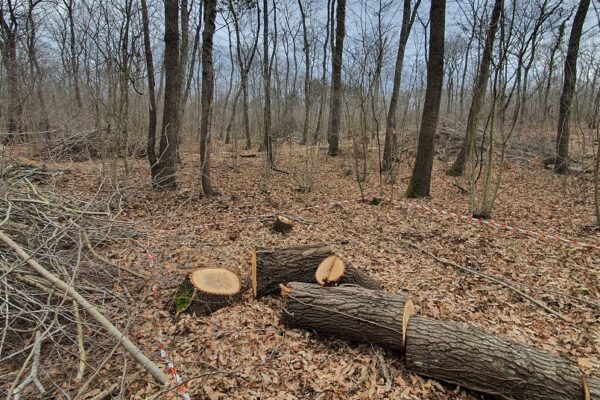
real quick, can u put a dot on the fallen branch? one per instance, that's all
(35, 366)
(491, 278)
(136, 353)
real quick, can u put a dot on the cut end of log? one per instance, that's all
(409, 311)
(253, 273)
(330, 270)
(217, 281)
(282, 224)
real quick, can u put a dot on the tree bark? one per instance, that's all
(210, 13)
(267, 140)
(561, 164)
(346, 312)
(420, 180)
(204, 298)
(334, 271)
(151, 144)
(390, 147)
(307, 96)
(473, 359)
(479, 91)
(333, 136)
(272, 267)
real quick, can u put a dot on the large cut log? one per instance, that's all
(334, 271)
(272, 267)
(206, 290)
(347, 312)
(464, 356)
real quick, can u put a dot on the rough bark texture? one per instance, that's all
(152, 120)
(272, 267)
(473, 359)
(346, 312)
(561, 165)
(336, 80)
(420, 180)
(350, 276)
(189, 299)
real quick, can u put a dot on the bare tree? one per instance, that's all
(267, 140)
(10, 27)
(336, 80)
(152, 120)
(420, 180)
(561, 163)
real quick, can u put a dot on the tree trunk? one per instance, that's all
(272, 267)
(473, 359)
(561, 164)
(333, 136)
(74, 57)
(555, 48)
(390, 147)
(420, 180)
(267, 140)
(334, 271)
(210, 13)
(167, 163)
(206, 290)
(479, 91)
(151, 144)
(307, 97)
(347, 312)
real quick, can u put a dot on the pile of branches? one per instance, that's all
(58, 295)
(92, 144)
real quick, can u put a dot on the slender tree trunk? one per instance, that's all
(35, 69)
(73, 49)
(420, 180)
(479, 91)
(267, 143)
(323, 95)
(151, 144)
(561, 164)
(169, 138)
(555, 48)
(307, 97)
(333, 136)
(208, 74)
(391, 136)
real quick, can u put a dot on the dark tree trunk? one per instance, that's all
(473, 359)
(307, 97)
(561, 164)
(210, 13)
(390, 147)
(346, 312)
(555, 48)
(420, 180)
(151, 144)
(73, 49)
(169, 138)
(317, 133)
(479, 91)
(333, 136)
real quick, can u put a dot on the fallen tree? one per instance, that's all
(442, 350)
(207, 290)
(312, 263)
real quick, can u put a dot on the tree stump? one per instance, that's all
(458, 354)
(334, 271)
(283, 224)
(271, 267)
(348, 312)
(206, 290)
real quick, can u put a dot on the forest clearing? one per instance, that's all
(283, 199)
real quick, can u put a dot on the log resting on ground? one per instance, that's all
(272, 267)
(347, 312)
(465, 356)
(334, 271)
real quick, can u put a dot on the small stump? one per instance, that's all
(282, 224)
(206, 290)
(333, 271)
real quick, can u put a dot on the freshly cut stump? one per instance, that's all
(206, 290)
(272, 267)
(333, 271)
(348, 312)
(283, 224)
(464, 356)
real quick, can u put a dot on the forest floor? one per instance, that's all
(244, 352)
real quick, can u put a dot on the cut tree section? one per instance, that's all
(283, 224)
(206, 290)
(334, 271)
(347, 312)
(272, 267)
(467, 357)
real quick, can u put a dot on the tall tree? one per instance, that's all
(151, 143)
(561, 163)
(420, 181)
(267, 142)
(307, 97)
(208, 74)
(391, 137)
(479, 91)
(169, 137)
(8, 45)
(333, 136)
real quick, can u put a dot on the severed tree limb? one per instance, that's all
(491, 278)
(80, 346)
(35, 366)
(136, 353)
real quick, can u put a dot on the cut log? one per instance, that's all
(206, 290)
(334, 271)
(271, 267)
(348, 312)
(464, 356)
(283, 224)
